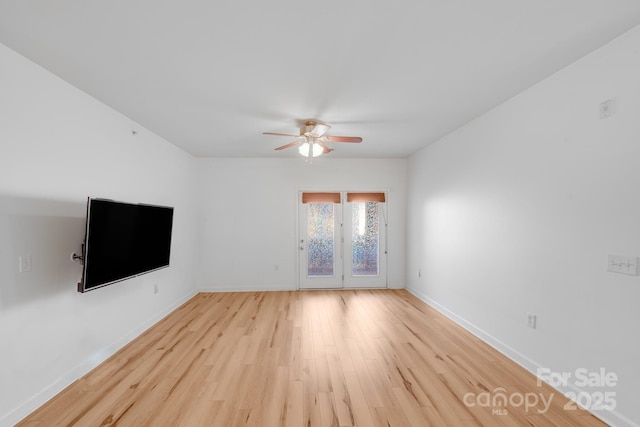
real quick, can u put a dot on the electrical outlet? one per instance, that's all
(24, 263)
(531, 320)
(155, 289)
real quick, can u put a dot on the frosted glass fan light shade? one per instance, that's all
(316, 150)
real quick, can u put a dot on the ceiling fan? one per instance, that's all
(312, 139)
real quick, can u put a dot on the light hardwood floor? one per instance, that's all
(307, 358)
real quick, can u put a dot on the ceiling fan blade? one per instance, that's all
(325, 149)
(343, 138)
(291, 144)
(280, 134)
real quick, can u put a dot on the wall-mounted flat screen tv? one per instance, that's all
(124, 240)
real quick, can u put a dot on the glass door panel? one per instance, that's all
(365, 247)
(365, 239)
(320, 248)
(321, 239)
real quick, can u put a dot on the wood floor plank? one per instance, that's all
(359, 405)
(306, 358)
(294, 404)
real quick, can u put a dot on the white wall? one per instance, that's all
(517, 211)
(249, 209)
(57, 147)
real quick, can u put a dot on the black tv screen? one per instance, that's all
(124, 240)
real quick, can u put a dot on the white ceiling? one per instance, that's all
(210, 76)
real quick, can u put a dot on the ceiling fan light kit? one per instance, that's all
(312, 149)
(312, 139)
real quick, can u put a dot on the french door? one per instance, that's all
(342, 240)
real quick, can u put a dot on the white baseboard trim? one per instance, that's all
(280, 289)
(613, 418)
(247, 289)
(97, 358)
(516, 356)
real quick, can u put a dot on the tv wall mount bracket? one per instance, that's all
(78, 258)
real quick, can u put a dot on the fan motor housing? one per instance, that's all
(313, 129)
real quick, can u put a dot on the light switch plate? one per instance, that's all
(24, 263)
(606, 109)
(623, 264)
